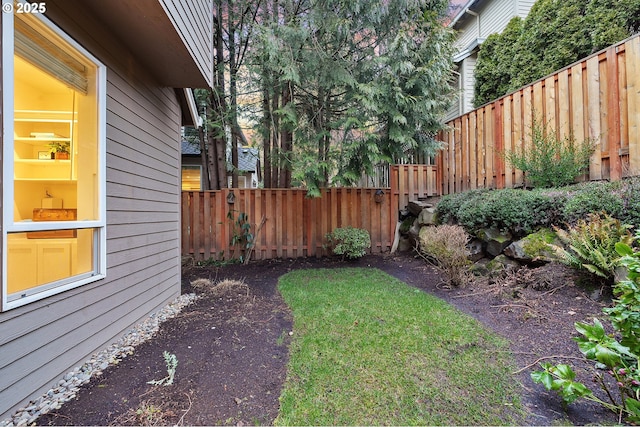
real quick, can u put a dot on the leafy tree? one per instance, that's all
(556, 33)
(351, 83)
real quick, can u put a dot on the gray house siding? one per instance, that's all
(39, 342)
(193, 19)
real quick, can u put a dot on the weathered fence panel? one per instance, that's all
(597, 98)
(294, 225)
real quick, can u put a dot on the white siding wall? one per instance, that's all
(523, 7)
(468, 79)
(495, 16)
(467, 33)
(40, 342)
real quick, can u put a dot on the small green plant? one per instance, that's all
(172, 363)
(59, 147)
(550, 161)
(445, 246)
(617, 359)
(149, 415)
(349, 242)
(241, 237)
(590, 244)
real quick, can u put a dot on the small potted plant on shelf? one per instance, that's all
(59, 150)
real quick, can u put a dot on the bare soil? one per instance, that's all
(232, 346)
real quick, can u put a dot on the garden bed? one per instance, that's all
(232, 348)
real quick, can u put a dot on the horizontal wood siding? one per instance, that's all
(595, 98)
(523, 7)
(193, 20)
(495, 16)
(42, 341)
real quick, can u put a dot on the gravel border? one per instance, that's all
(66, 388)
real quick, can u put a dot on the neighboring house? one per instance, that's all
(474, 21)
(248, 167)
(90, 239)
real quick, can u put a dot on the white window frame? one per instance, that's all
(8, 223)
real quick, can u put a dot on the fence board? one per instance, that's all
(295, 226)
(598, 97)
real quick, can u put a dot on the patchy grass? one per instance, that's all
(368, 349)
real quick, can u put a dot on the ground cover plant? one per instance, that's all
(616, 357)
(368, 349)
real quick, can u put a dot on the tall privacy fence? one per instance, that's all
(596, 98)
(287, 224)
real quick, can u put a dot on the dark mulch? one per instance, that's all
(232, 347)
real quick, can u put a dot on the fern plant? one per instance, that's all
(590, 244)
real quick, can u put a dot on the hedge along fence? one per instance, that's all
(596, 98)
(294, 225)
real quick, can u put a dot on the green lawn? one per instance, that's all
(368, 349)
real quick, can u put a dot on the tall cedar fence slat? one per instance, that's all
(294, 225)
(597, 98)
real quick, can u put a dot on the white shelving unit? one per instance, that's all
(34, 131)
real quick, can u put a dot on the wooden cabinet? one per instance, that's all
(35, 262)
(35, 132)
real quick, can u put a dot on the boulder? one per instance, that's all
(500, 265)
(405, 244)
(416, 206)
(427, 216)
(495, 239)
(476, 251)
(534, 248)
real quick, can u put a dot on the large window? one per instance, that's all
(54, 153)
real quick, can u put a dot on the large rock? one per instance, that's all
(534, 248)
(427, 216)
(495, 239)
(476, 251)
(501, 265)
(416, 206)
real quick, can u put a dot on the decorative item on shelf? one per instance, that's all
(231, 197)
(378, 195)
(44, 155)
(59, 150)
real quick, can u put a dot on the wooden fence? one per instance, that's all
(597, 98)
(294, 225)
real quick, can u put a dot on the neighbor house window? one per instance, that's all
(54, 162)
(191, 178)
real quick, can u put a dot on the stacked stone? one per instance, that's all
(66, 388)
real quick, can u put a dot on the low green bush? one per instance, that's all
(518, 211)
(524, 211)
(349, 242)
(587, 198)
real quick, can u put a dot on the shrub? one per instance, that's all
(587, 198)
(445, 246)
(618, 359)
(550, 161)
(518, 211)
(590, 244)
(449, 206)
(349, 242)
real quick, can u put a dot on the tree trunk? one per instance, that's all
(286, 141)
(266, 145)
(233, 92)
